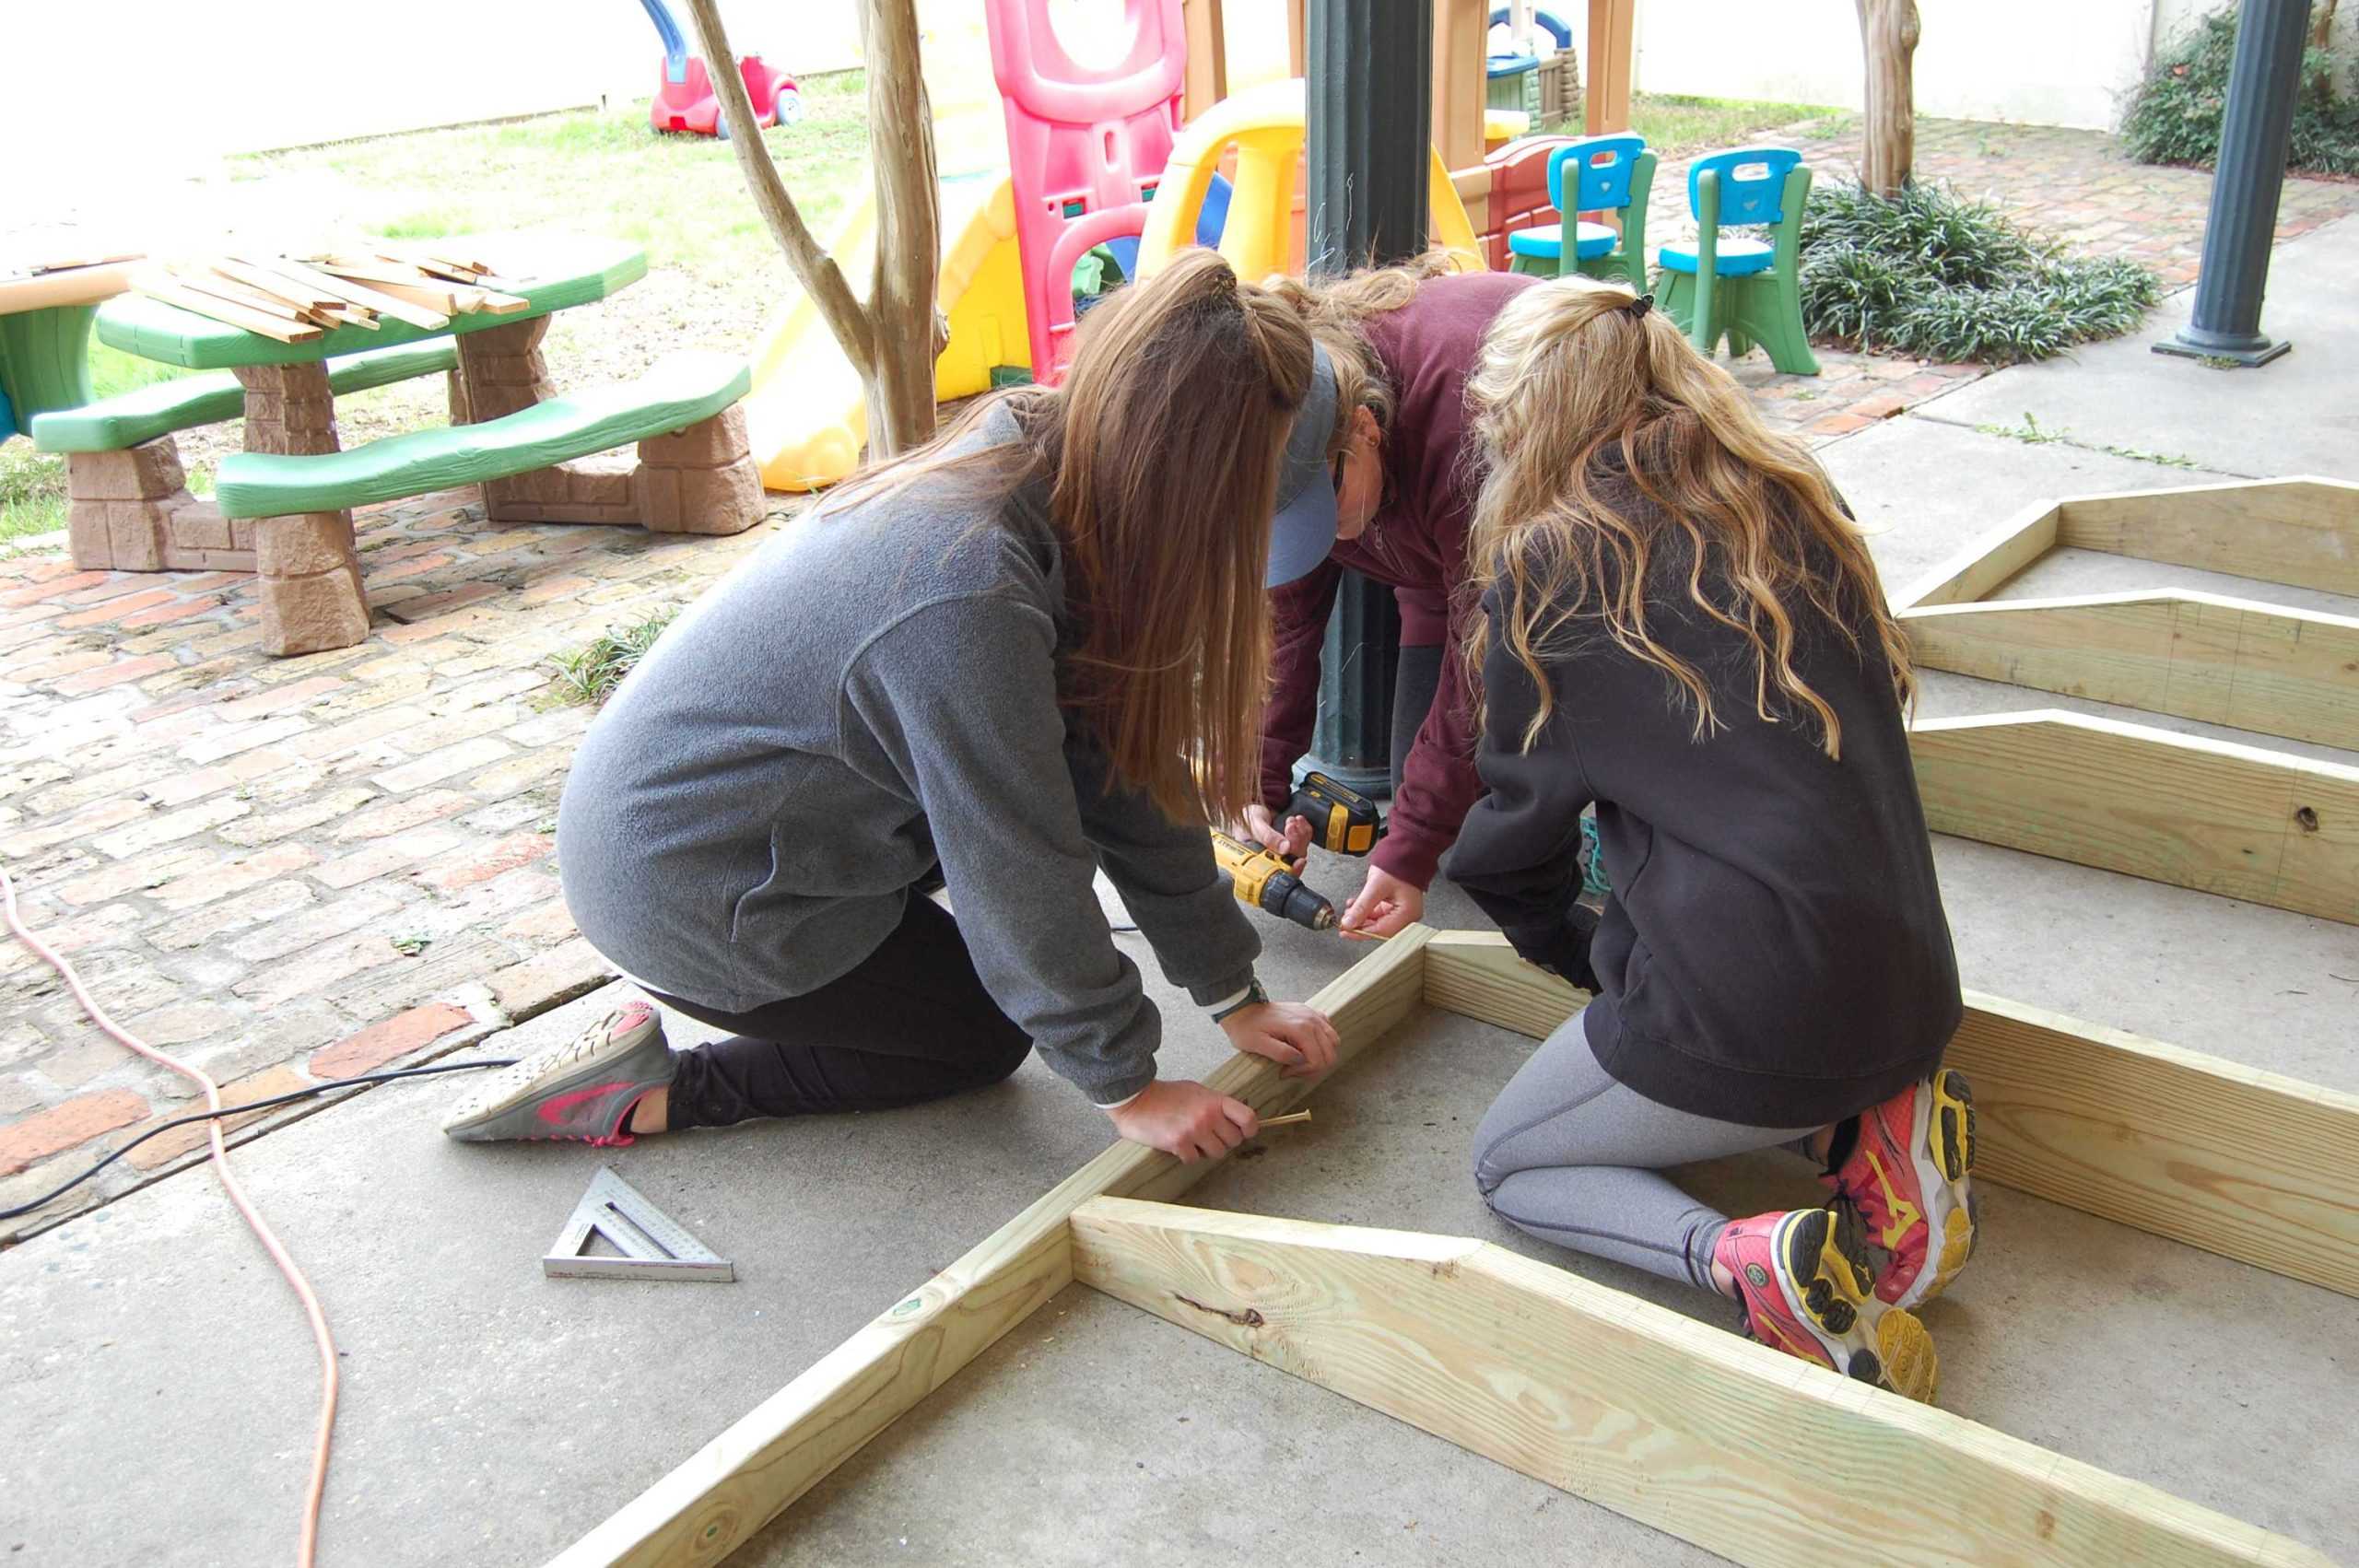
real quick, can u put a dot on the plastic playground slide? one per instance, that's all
(805, 416)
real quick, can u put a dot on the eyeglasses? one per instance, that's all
(1338, 471)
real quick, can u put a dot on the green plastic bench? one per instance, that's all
(679, 391)
(116, 424)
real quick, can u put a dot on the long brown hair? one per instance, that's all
(1572, 374)
(1160, 451)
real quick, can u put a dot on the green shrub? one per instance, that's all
(1933, 276)
(2172, 116)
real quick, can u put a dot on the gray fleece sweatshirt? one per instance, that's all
(871, 692)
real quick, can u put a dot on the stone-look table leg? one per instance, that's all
(699, 480)
(311, 597)
(501, 371)
(120, 505)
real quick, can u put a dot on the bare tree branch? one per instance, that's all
(815, 269)
(902, 293)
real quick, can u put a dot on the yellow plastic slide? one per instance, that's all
(805, 416)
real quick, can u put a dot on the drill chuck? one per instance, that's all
(1260, 880)
(1297, 903)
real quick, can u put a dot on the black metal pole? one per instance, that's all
(2263, 84)
(1369, 135)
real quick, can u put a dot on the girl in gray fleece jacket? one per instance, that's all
(1030, 650)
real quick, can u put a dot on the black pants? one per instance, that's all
(911, 1022)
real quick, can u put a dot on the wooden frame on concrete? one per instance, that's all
(785, 1445)
(2258, 1167)
(2301, 533)
(2228, 661)
(2239, 821)
(1676, 1423)
(2250, 1164)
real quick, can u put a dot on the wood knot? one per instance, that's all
(2306, 818)
(1249, 1319)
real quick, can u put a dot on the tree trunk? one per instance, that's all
(1888, 32)
(2322, 35)
(909, 331)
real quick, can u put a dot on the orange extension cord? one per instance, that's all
(309, 1548)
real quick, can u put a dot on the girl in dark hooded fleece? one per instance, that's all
(1682, 628)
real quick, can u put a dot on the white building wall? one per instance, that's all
(2044, 62)
(169, 85)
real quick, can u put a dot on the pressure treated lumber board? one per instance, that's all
(2303, 533)
(2234, 820)
(1679, 1424)
(1990, 560)
(2250, 1164)
(2232, 662)
(749, 1474)
(2253, 1165)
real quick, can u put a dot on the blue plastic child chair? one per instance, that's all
(1745, 289)
(1612, 174)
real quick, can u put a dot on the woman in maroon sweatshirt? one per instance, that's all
(1404, 340)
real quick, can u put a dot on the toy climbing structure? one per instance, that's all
(1085, 149)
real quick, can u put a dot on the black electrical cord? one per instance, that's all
(163, 1126)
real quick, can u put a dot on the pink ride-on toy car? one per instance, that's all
(683, 96)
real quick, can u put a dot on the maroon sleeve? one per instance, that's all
(1439, 783)
(1298, 628)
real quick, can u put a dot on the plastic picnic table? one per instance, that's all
(45, 339)
(553, 274)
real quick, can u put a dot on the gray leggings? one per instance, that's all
(1572, 1156)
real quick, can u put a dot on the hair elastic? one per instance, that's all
(1640, 306)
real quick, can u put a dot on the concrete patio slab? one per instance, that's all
(161, 1390)
(2297, 414)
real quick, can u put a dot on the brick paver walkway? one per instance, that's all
(288, 869)
(304, 869)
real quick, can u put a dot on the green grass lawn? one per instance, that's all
(680, 197)
(1676, 126)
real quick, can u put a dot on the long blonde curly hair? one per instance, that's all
(1571, 373)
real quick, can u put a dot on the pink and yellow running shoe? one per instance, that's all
(581, 1089)
(1804, 1279)
(1910, 1176)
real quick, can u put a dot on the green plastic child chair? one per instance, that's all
(1748, 291)
(1612, 174)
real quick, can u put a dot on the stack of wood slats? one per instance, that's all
(295, 298)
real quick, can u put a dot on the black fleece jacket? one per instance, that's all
(1774, 952)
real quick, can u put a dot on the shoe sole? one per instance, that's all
(515, 1085)
(1942, 1152)
(1829, 1286)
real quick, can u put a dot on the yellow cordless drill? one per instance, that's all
(1262, 881)
(1342, 821)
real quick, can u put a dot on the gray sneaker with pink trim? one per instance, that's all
(582, 1089)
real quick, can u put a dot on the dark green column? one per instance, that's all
(2255, 130)
(1370, 114)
